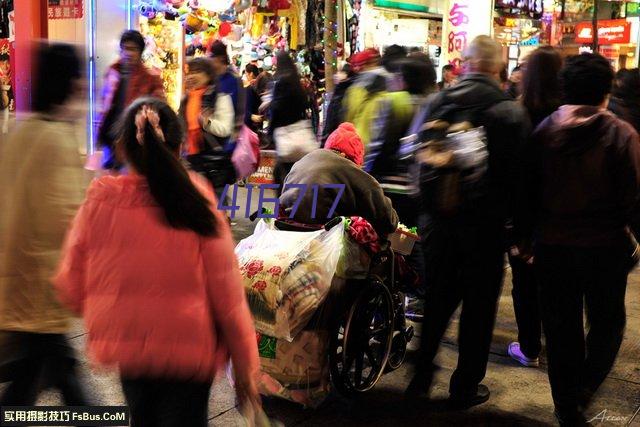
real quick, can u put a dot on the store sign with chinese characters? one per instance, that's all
(65, 9)
(609, 31)
(463, 21)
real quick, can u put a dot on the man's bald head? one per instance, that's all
(483, 55)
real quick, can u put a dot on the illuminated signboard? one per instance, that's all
(532, 8)
(410, 5)
(65, 9)
(609, 32)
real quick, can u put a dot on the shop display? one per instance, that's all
(6, 92)
(164, 54)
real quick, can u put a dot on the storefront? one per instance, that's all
(414, 24)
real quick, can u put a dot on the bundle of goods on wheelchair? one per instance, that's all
(328, 305)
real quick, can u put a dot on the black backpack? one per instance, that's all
(451, 165)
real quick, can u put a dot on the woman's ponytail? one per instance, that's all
(152, 136)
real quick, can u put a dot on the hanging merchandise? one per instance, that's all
(164, 53)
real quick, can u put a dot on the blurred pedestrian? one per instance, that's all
(41, 187)
(335, 114)
(625, 98)
(251, 73)
(252, 109)
(384, 161)
(541, 97)
(149, 264)
(361, 100)
(583, 186)
(513, 86)
(289, 104)
(124, 82)
(392, 58)
(209, 120)
(448, 77)
(227, 81)
(464, 237)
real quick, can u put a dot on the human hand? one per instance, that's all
(247, 391)
(256, 118)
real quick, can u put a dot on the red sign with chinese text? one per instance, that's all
(609, 31)
(65, 9)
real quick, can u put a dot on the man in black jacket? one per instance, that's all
(464, 252)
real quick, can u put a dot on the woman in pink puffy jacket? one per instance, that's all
(149, 264)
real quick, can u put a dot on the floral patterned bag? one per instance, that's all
(287, 275)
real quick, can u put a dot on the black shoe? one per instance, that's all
(570, 419)
(466, 401)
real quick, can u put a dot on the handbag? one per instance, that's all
(294, 141)
(246, 155)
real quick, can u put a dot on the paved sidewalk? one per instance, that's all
(520, 396)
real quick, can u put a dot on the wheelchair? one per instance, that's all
(368, 331)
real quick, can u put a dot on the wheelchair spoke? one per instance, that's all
(359, 367)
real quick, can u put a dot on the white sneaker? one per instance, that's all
(517, 354)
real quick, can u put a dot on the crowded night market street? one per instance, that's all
(319, 212)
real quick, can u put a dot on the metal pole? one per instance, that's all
(595, 26)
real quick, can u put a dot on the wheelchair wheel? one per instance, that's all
(401, 335)
(361, 343)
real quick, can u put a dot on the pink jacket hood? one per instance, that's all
(156, 301)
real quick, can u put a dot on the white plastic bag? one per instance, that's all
(295, 141)
(287, 275)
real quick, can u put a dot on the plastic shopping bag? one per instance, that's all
(287, 275)
(296, 371)
(246, 155)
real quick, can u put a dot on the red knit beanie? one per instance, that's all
(346, 140)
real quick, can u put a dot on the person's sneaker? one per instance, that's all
(414, 309)
(517, 355)
(465, 401)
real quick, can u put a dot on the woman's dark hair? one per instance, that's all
(262, 82)
(504, 74)
(58, 66)
(541, 82)
(202, 65)
(183, 205)
(219, 50)
(134, 37)
(392, 56)
(627, 86)
(285, 67)
(418, 74)
(586, 79)
(251, 68)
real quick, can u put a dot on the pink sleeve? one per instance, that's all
(69, 280)
(228, 300)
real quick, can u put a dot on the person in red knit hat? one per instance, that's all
(340, 162)
(346, 141)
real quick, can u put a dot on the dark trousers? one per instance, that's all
(166, 403)
(409, 215)
(464, 264)
(280, 172)
(526, 307)
(39, 361)
(572, 279)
